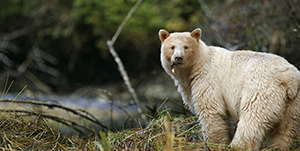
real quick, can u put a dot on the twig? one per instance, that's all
(94, 120)
(205, 9)
(34, 59)
(57, 119)
(111, 97)
(4, 40)
(145, 139)
(35, 54)
(36, 81)
(125, 78)
(18, 33)
(116, 35)
(204, 140)
(214, 27)
(110, 44)
(74, 56)
(111, 114)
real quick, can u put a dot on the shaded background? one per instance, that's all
(56, 46)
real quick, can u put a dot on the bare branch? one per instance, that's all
(117, 104)
(213, 25)
(145, 139)
(4, 39)
(110, 44)
(113, 40)
(18, 33)
(206, 9)
(93, 119)
(64, 121)
(36, 58)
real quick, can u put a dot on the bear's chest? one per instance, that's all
(208, 91)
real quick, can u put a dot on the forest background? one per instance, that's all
(56, 46)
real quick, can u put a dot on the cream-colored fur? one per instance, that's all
(259, 91)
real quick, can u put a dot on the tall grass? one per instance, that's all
(19, 131)
(166, 132)
(34, 133)
(25, 130)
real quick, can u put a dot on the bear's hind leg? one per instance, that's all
(258, 115)
(282, 136)
(249, 133)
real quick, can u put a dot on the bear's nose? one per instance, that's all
(178, 58)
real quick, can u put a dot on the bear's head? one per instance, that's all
(179, 50)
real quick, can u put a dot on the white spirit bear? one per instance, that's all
(259, 91)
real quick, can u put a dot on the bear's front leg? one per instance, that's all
(216, 128)
(211, 109)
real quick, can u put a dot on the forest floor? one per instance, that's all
(163, 132)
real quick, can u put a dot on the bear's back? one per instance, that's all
(266, 67)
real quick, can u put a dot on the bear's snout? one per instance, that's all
(178, 59)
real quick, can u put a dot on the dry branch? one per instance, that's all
(93, 119)
(57, 119)
(145, 139)
(119, 106)
(213, 25)
(122, 70)
(116, 35)
(4, 39)
(35, 59)
(18, 33)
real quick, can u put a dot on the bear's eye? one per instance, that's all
(186, 47)
(172, 47)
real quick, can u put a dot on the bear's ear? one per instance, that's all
(163, 35)
(196, 33)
